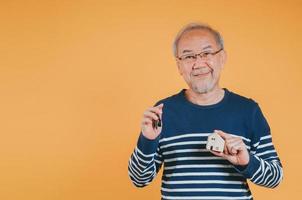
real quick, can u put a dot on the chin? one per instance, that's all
(202, 89)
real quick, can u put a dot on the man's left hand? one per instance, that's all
(234, 150)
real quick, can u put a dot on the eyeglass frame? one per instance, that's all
(201, 55)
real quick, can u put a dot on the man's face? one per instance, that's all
(202, 74)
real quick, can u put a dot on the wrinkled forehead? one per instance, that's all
(196, 41)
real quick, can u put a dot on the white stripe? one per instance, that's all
(134, 158)
(196, 135)
(266, 176)
(256, 144)
(184, 136)
(202, 174)
(265, 137)
(275, 174)
(158, 155)
(145, 155)
(243, 138)
(193, 158)
(263, 171)
(266, 152)
(185, 151)
(258, 170)
(132, 163)
(269, 178)
(272, 157)
(203, 190)
(203, 182)
(188, 151)
(266, 173)
(138, 159)
(264, 145)
(198, 166)
(183, 143)
(206, 197)
(157, 161)
(137, 174)
(143, 160)
(139, 181)
(280, 172)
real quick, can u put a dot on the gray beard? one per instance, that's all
(200, 91)
(204, 89)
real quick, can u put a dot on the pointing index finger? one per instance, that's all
(223, 134)
(159, 108)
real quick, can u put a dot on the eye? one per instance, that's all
(206, 54)
(189, 57)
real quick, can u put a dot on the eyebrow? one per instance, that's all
(207, 47)
(188, 51)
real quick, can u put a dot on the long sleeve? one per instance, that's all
(145, 161)
(264, 168)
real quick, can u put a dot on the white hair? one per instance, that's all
(197, 26)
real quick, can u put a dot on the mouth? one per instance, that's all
(201, 74)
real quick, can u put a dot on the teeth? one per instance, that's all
(201, 73)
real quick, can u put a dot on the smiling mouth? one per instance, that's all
(202, 74)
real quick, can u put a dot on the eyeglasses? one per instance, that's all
(191, 58)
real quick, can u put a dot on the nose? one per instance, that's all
(200, 61)
(201, 56)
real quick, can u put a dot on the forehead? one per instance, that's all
(196, 40)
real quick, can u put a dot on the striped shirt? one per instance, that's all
(190, 171)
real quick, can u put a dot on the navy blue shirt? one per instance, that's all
(190, 170)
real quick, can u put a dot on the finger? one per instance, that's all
(220, 154)
(233, 142)
(232, 139)
(160, 106)
(223, 134)
(234, 150)
(230, 142)
(229, 157)
(146, 121)
(225, 149)
(156, 109)
(236, 147)
(231, 148)
(239, 147)
(151, 115)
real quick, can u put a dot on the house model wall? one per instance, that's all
(215, 142)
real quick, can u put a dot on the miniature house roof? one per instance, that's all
(216, 136)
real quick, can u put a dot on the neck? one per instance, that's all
(212, 97)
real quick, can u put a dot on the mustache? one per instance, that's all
(201, 70)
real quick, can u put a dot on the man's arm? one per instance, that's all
(146, 159)
(261, 164)
(264, 167)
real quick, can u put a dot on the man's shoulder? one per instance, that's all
(172, 99)
(241, 100)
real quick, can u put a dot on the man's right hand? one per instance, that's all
(150, 114)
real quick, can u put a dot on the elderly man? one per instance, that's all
(174, 132)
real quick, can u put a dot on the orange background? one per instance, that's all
(76, 76)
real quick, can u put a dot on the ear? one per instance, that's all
(179, 66)
(223, 58)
